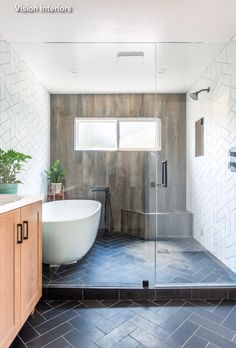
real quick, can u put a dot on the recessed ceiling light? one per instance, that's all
(74, 71)
(130, 54)
(162, 70)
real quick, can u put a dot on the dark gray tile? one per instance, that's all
(214, 338)
(147, 340)
(171, 322)
(93, 303)
(173, 293)
(59, 343)
(110, 303)
(182, 334)
(196, 342)
(108, 313)
(232, 293)
(50, 336)
(122, 304)
(18, 343)
(115, 321)
(214, 302)
(44, 293)
(145, 312)
(211, 277)
(175, 303)
(146, 304)
(207, 304)
(209, 293)
(101, 294)
(27, 332)
(224, 307)
(43, 307)
(61, 308)
(52, 323)
(88, 329)
(56, 303)
(36, 319)
(89, 314)
(77, 339)
(210, 325)
(230, 320)
(126, 261)
(137, 294)
(160, 302)
(55, 293)
(116, 335)
(128, 342)
(151, 328)
(202, 311)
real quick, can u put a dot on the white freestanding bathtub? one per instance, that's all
(69, 229)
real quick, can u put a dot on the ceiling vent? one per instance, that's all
(130, 54)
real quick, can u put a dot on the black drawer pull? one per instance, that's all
(26, 230)
(19, 234)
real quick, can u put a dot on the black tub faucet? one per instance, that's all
(108, 218)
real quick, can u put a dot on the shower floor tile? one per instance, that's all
(123, 260)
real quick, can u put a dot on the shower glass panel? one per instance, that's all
(167, 216)
(92, 87)
(195, 211)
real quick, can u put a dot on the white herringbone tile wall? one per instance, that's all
(24, 117)
(211, 186)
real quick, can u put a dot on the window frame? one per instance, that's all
(118, 120)
(95, 119)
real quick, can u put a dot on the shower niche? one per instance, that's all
(199, 137)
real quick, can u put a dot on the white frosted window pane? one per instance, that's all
(96, 135)
(138, 135)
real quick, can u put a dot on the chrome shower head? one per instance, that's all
(194, 95)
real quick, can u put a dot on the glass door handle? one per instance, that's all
(164, 176)
(164, 173)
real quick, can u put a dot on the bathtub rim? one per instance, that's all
(72, 220)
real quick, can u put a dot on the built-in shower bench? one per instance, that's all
(150, 226)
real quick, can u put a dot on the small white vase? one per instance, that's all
(56, 187)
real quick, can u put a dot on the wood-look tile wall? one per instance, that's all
(127, 173)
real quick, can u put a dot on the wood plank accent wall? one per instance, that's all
(127, 173)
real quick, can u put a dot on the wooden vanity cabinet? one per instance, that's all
(9, 277)
(20, 268)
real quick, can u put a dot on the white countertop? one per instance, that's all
(24, 200)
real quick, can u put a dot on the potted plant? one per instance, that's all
(11, 164)
(55, 175)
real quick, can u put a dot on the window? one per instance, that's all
(130, 134)
(138, 135)
(95, 135)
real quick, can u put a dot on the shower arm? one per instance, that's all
(203, 90)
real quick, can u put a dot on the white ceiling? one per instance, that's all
(47, 42)
(121, 21)
(100, 71)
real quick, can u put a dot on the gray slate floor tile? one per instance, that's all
(172, 324)
(126, 260)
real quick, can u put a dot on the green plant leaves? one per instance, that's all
(11, 164)
(56, 172)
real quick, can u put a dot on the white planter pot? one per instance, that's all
(56, 187)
